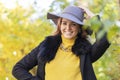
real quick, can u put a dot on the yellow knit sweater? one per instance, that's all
(65, 65)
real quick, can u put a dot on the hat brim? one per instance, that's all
(55, 17)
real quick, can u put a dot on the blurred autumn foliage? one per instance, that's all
(19, 34)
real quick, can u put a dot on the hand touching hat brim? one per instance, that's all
(88, 13)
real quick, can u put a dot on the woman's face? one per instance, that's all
(69, 29)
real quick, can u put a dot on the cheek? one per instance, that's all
(77, 30)
(61, 28)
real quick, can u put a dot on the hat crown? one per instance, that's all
(74, 11)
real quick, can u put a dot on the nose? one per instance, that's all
(68, 27)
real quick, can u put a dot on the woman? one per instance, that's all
(66, 55)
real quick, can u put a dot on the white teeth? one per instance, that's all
(68, 32)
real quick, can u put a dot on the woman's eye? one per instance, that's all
(74, 24)
(64, 23)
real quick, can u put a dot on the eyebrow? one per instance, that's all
(63, 21)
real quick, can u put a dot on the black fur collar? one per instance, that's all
(49, 47)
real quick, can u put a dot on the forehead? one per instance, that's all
(67, 20)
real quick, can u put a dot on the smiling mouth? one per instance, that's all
(68, 32)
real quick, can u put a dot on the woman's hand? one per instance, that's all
(88, 13)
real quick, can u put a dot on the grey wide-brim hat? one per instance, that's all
(72, 13)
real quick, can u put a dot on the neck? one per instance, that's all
(68, 42)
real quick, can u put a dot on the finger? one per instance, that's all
(87, 11)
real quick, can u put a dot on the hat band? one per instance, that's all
(73, 15)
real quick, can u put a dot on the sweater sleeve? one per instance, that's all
(99, 48)
(21, 69)
(101, 45)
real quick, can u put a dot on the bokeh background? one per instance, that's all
(23, 25)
